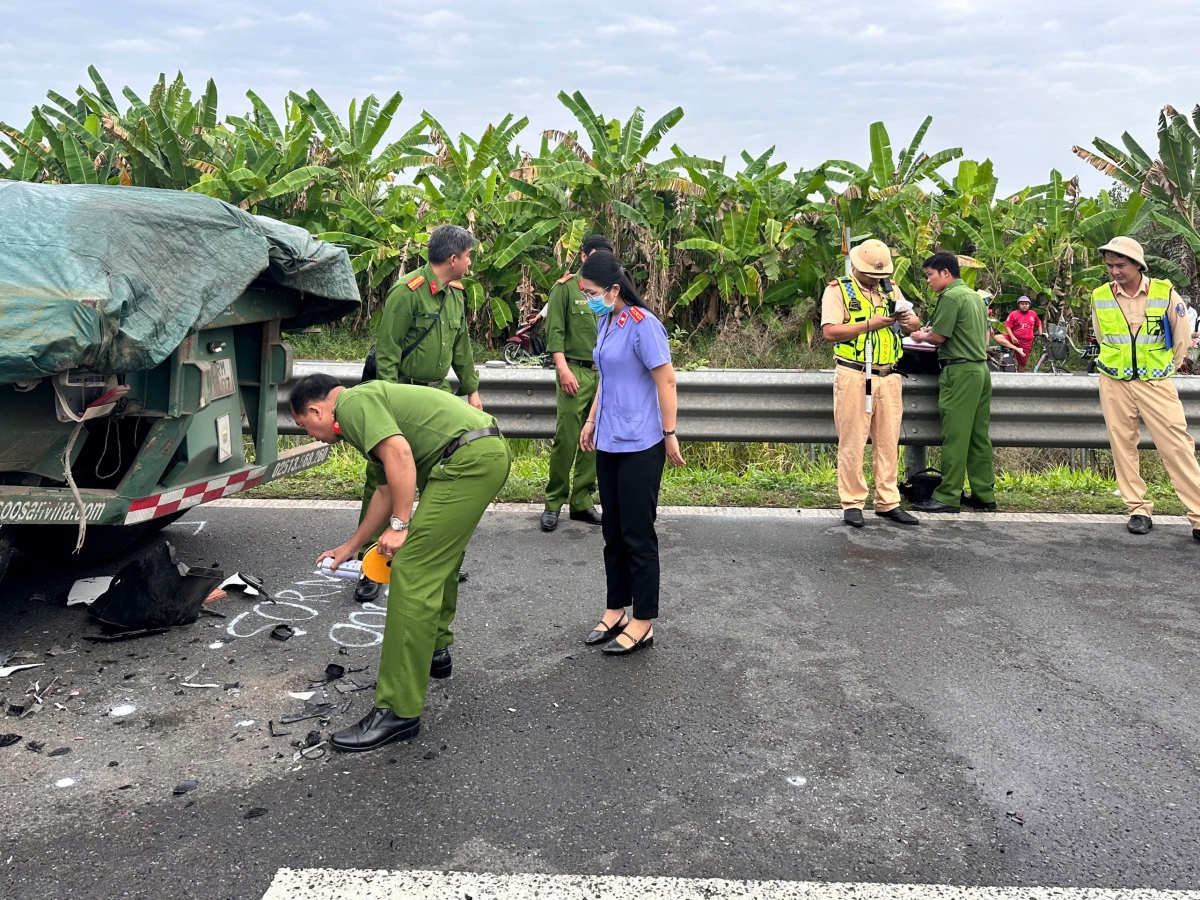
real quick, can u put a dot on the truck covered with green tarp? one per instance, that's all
(140, 335)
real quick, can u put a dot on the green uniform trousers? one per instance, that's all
(372, 482)
(564, 449)
(965, 403)
(423, 593)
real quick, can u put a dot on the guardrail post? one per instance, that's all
(916, 459)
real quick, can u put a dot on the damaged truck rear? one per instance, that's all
(141, 333)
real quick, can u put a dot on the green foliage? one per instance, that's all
(705, 244)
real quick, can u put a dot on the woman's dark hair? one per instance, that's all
(309, 389)
(601, 267)
(943, 261)
(594, 242)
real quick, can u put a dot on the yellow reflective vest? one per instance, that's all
(885, 343)
(1147, 355)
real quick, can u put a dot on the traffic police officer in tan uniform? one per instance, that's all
(1142, 326)
(422, 333)
(857, 312)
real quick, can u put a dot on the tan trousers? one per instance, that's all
(854, 425)
(1157, 404)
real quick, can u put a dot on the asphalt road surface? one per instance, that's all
(981, 701)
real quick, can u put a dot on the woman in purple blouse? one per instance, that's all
(632, 429)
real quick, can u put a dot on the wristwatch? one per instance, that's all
(399, 524)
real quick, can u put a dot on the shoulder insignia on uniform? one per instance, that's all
(832, 283)
(413, 283)
(622, 318)
(457, 285)
(638, 314)
(566, 278)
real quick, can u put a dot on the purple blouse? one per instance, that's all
(629, 344)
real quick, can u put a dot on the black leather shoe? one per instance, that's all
(934, 506)
(1140, 525)
(853, 517)
(462, 575)
(588, 515)
(378, 727)
(442, 664)
(1196, 534)
(978, 504)
(899, 515)
(602, 635)
(549, 520)
(367, 591)
(616, 648)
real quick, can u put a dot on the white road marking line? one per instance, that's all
(743, 512)
(378, 884)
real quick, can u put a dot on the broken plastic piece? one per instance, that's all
(5, 671)
(35, 746)
(254, 812)
(124, 709)
(86, 590)
(124, 635)
(250, 584)
(7, 740)
(61, 751)
(154, 590)
(282, 631)
(275, 732)
(216, 595)
(311, 711)
(184, 786)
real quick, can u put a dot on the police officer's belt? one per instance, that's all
(404, 379)
(942, 363)
(458, 443)
(582, 363)
(875, 370)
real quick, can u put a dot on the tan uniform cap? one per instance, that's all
(872, 257)
(1126, 246)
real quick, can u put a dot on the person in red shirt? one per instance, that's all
(1023, 325)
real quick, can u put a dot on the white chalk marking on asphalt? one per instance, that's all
(371, 884)
(746, 512)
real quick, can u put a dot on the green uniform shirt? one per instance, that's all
(961, 318)
(409, 310)
(570, 322)
(429, 420)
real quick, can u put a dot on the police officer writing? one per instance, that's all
(959, 326)
(423, 332)
(570, 339)
(1143, 330)
(632, 428)
(858, 314)
(413, 439)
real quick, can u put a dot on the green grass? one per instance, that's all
(777, 475)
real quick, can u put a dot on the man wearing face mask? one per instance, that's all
(858, 315)
(570, 339)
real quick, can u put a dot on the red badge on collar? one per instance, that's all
(433, 288)
(622, 318)
(337, 429)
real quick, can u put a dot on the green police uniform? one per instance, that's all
(571, 331)
(964, 395)
(411, 308)
(455, 491)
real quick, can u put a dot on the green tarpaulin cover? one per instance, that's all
(114, 278)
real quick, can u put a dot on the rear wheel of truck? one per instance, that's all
(55, 542)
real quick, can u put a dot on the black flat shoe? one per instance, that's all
(1139, 524)
(934, 506)
(378, 727)
(588, 515)
(442, 664)
(616, 648)
(549, 520)
(978, 504)
(899, 515)
(367, 591)
(602, 635)
(853, 517)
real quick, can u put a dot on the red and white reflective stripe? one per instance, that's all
(193, 494)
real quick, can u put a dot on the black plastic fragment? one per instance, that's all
(154, 590)
(255, 812)
(184, 786)
(7, 740)
(282, 631)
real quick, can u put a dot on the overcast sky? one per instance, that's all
(1019, 81)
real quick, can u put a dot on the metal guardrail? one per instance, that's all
(787, 406)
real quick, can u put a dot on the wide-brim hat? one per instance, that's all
(872, 257)
(1126, 246)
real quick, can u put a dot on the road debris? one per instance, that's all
(275, 732)
(255, 812)
(188, 684)
(7, 740)
(216, 595)
(85, 591)
(154, 590)
(36, 746)
(184, 786)
(247, 584)
(5, 671)
(125, 709)
(124, 635)
(64, 782)
(61, 751)
(282, 631)
(311, 711)
(301, 695)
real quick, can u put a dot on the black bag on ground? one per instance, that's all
(920, 486)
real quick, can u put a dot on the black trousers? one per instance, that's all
(629, 484)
